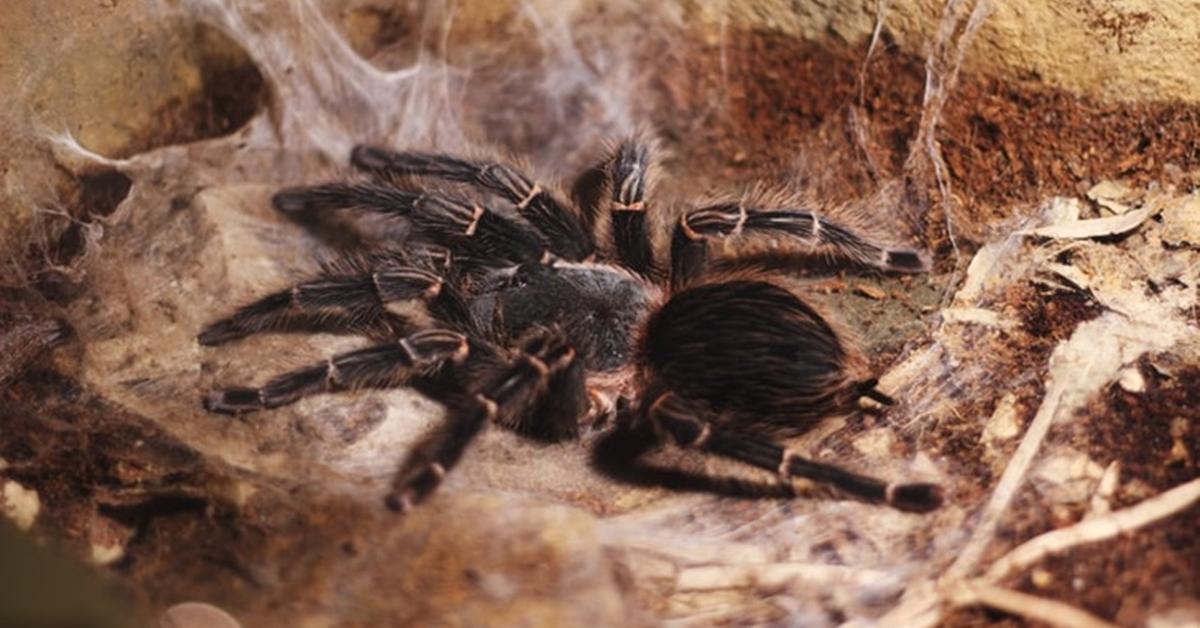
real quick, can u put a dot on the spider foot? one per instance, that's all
(903, 260)
(234, 400)
(917, 497)
(220, 333)
(415, 488)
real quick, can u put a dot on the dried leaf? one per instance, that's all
(1097, 227)
(1113, 196)
(1181, 222)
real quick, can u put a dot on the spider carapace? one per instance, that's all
(510, 306)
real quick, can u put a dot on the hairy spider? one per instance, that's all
(546, 318)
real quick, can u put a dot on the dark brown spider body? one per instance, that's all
(598, 308)
(540, 324)
(754, 354)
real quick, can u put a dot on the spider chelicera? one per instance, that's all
(518, 309)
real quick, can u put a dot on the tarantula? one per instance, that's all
(536, 320)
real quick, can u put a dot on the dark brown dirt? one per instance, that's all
(77, 449)
(1154, 435)
(115, 478)
(780, 112)
(93, 196)
(1049, 316)
(1128, 578)
(975, 617)
(1046, 319)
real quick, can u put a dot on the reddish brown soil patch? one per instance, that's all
(772, 107)
(1126, 579)
(1155, 434)
(1049, 316)
(76, 449)
(1046, 319)
(784, 107)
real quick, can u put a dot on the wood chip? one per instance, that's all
(869, 291)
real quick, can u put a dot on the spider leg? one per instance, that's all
(355, 303)
(565, 232)
(516, 389)
(379, 366)
(617, 184)
(678, 420)
(629, 230)
(589, 191)
(556, 416)
(867, 388)
(468, 230)
(689, 243)
(619, 455)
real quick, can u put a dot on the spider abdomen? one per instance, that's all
(753, 352)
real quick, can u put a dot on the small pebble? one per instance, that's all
(197, 615)
(1132, 380)
(107, 554)
(21, 505)
(1041, 578)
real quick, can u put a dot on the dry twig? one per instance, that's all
(1096, 529)
(1027, 606)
